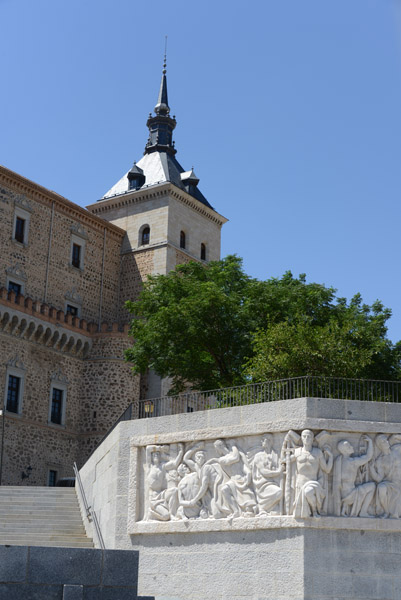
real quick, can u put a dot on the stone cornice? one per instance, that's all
(158, 190)
(41, 194)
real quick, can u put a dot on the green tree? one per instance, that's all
(215, 326)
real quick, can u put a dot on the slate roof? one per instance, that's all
(158, 167)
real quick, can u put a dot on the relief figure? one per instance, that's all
(210, 478)
(386, 471)
(236, 491)
(160, 497)
(188, 488)
(265, 473)
(351, 499)
(310, 465)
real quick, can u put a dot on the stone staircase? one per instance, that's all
(41, 516)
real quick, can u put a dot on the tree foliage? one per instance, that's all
(214, 326)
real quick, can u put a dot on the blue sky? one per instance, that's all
(289, 112)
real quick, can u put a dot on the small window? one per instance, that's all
(19, 229)
(52, 478)
(21, 225)
(13, 394)
(76, 256)
(203, 252)
(15, 287)
(182, 239)
(72, 310)
(146, 236)
(56, 415)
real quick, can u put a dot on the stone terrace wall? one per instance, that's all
(272, 556)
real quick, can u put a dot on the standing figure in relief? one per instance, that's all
(310, 462)
(188, 488)
(265, 473)
(210, 479)
(236, 491)
(162, 502)
(351, 500)
(386, 471)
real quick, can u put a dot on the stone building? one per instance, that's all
(65, 275)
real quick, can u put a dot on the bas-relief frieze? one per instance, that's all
(300, 474)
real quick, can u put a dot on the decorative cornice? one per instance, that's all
(158, 190)
(17, 272)
(40, 194)
(73, 296)
(22, 202)
(59, 377)
(77, 229)
(16, 363)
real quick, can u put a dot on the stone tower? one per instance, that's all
(167, 219)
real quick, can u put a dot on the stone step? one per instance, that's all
(8, 541)
(42, 516)
(27, 503)
(38, 491)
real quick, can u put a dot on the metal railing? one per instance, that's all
(271, 391)
(90, 513)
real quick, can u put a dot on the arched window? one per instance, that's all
(203, 252)
(182, 239)
(145, 235)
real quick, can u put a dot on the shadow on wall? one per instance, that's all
(68, 574)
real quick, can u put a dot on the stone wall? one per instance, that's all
(98, 389)
(43, 262)
(273, 552)
(67, 574)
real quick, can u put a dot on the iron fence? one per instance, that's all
(271, 391)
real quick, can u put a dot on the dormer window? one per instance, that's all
(145, 236)
(203, 252)
(136, 178)
(182, 240)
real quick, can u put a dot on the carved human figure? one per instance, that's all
(386, 471)
(310, 462)
(188, 488)
(236, 491)
(265, 473)
(160, 498)
(210, 479)
(351, 499)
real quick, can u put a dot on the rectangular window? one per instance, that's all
(13, 392)
(19, 232)
(52, 478)
(72, 310)
(56, 414)
(76, 256)
(14, 287)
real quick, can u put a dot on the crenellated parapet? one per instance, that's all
(38, 322)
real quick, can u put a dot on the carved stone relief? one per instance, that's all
(303, 474)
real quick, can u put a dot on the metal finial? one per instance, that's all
(165, 55)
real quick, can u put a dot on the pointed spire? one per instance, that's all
(162, 107)
(161, 126)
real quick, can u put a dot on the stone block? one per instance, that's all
(75, 566)
(13, 561)
(73, 592)
(29, 591)
(325, 408)
(105, 593)
(331, 585)
(365, 411)
(120, 568)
